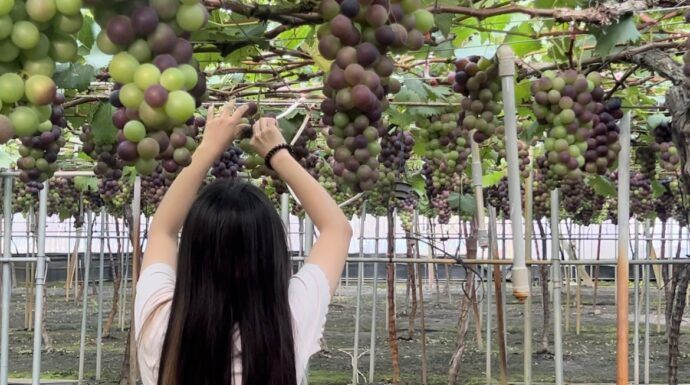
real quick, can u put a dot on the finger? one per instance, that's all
(257, 127)
(211, 111)
(228, 108)
(239, 113)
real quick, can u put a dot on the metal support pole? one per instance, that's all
(636, 310)
(308, 235)
(482, 233)
(40, 283)
(527, 325)
(623, 265)
(360, 282)
(372, 340)
(99, 330)
(285, 209)
(85, 294)
(6, 280)
(489, 283)
(647, 270)
(506, 68)
(557, 281)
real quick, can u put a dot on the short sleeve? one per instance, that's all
(155, 287)
(155, 290)
(310, 296)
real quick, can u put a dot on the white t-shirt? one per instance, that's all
(309, 296)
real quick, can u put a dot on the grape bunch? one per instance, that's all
(230, 163)
(663, 144)
(357, 36)
(153, 188)
(477, 79)
(447, 149)
(565, 104)
(405, 208)
(301, 146)
(579, 200)
(396, 150)
(541, 195)
(498, 196)
(665, 205)
(158, 82)
(108, 164)
(641, 196)
(645, 158)
(39, 149)
(602, 145)
(63, 198)
(34, 36)
(523, 155)
(115, 193)
(24, 197)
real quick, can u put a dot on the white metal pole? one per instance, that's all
(636, 315)
(623, 265)
(6, 278)
(360, 282)
(85, 294)
(308, 235)
(482, 233)
(556, 280)
(99, 330)
(506, 68)
(489, 284)
(647, 270)
(40, 283)
(285, 209)
(372, 340)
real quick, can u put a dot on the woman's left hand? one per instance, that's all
(222, 127)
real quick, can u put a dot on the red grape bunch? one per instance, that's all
(602, 145)
(158, 82)
(541, 194)
(498, 196)
(641, 196)
(39, 150)
(645, 158)
(229, 165)
(153, 188)
(108, 164)
(565, 104)
(663, 144)
(477, 79)
(579, 200)
(357, 36)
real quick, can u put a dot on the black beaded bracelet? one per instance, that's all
(274, 150)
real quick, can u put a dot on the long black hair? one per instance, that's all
(232, 278)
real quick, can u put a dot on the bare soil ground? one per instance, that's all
(588, 357)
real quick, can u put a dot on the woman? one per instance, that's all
(222, 308)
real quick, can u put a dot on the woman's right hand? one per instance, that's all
(266, 136)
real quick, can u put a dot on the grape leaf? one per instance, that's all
(444, 21)
(603, 186)
(418, 184)
(492, 179)
(466, 203)
(623, 32)
(658, 189)
(522, 45)
(313, 51)
(104, 132)
(86, 34)
(423, 111)
(416, 86)
(293, 38)
(75, 76)
(5, 159)
(86, 183)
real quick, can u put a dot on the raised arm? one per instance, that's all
(219, 134)
(331, 248)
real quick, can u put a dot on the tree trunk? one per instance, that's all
(544, 273)
(681, 278)
(463, 323)
(390, 277)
